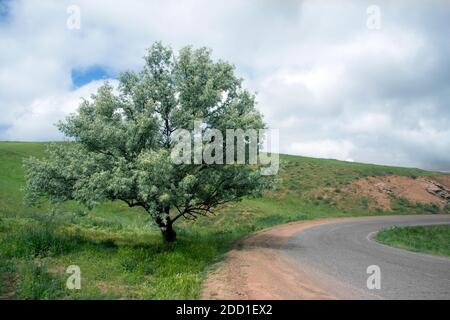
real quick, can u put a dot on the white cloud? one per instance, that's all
(333, 87)
(368, 123)
(330, 149)
(38, 122)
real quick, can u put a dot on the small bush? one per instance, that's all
(447, 208)
(7, 269)
(431, 208)
(36, 283)
(129, 265)
(365, 202)
(40, 241)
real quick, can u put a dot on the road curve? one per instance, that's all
(336, 255)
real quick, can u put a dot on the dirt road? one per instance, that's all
(326, 259)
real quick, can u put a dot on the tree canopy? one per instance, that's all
(120, 141)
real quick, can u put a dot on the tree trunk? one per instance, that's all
(168, 233)
(166, 228)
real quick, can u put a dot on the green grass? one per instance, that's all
(119, 250)
(429, 239)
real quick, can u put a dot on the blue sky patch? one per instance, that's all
(82, 76)
(4, 10)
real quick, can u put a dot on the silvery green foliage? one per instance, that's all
(120, 141)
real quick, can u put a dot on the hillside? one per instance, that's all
(121, 254)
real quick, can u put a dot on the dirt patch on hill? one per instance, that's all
(444, 180)
(434, 190)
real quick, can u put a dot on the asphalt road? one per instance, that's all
(337, 256)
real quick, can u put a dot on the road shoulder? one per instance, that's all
(257, 269)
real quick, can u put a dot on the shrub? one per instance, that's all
(40, 241)
(36, 283)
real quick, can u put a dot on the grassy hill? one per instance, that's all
(121, 254)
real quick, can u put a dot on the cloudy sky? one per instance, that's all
(340, 79)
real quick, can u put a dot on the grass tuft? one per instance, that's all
(428, 239)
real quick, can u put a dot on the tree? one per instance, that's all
(119, 142)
